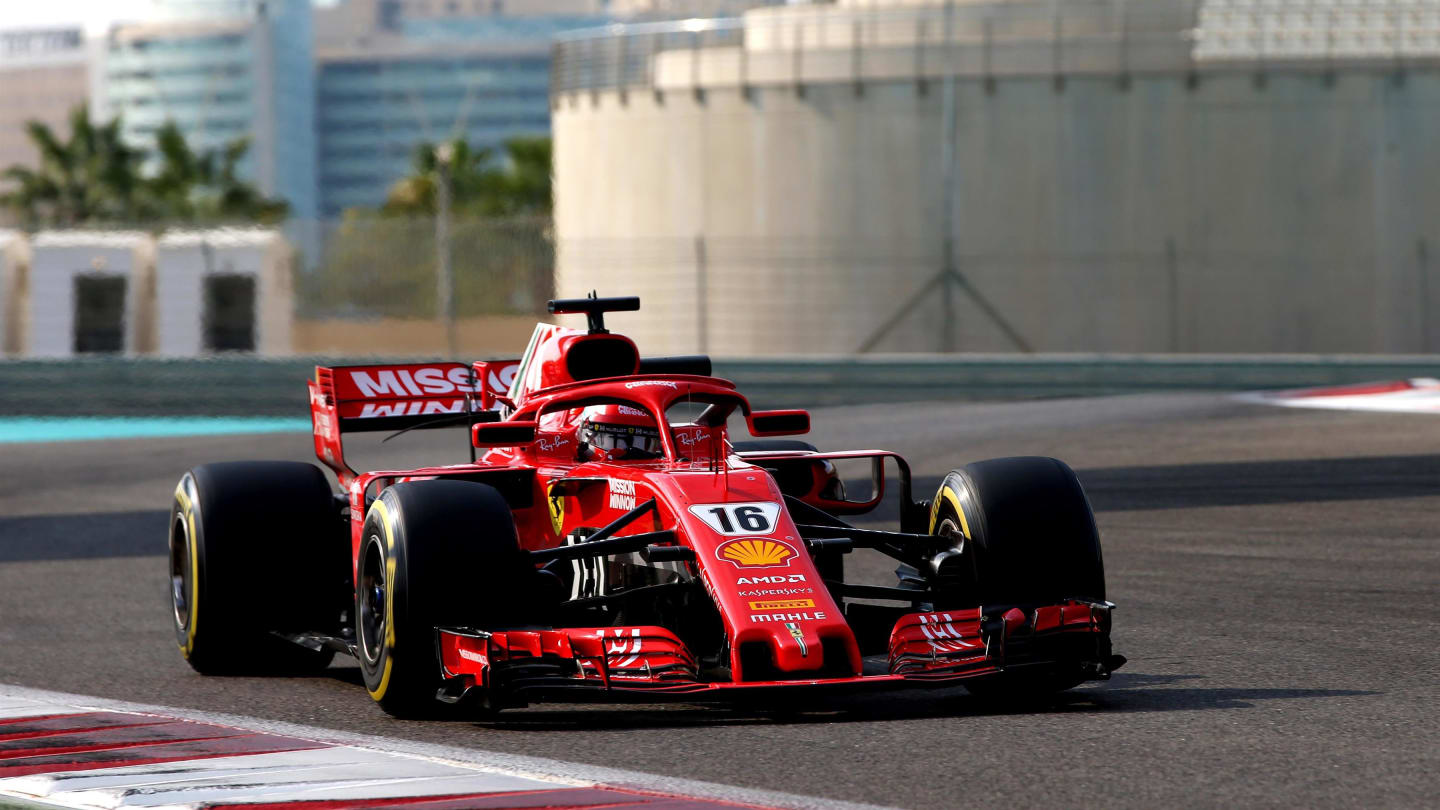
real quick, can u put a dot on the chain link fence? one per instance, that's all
(758, 297)
(370, 286)
(386, 267)
(364, 285)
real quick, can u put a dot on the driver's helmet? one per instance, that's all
(617, 433)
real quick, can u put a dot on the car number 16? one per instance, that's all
(738, 518)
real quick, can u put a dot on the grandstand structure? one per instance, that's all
(1249, 30)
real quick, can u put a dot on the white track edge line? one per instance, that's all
(574, 773)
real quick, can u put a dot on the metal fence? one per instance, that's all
(369, 266)
(370, 286)
(756, 297)
(738, 297)
(366, 284)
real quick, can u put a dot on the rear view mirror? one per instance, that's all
(778, 423)
(845, 494)
(841, 486)
(502, 434)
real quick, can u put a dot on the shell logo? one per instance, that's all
(755, 552)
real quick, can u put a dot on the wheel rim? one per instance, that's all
(951, 531)
(180, 571)
(371, 616)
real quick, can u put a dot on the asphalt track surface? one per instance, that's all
(1276, 572)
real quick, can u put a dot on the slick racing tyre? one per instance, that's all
(433, 554)
(1027, 528)
(252, 545)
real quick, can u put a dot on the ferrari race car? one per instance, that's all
(609, 541)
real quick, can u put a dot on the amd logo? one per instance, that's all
(779, 579)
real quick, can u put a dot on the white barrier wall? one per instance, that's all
(60, 260)
(187, 262)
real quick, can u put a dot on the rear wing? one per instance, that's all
(401, 396)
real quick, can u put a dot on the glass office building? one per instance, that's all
(222, 69)
(483, 79)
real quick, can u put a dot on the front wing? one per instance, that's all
(941, 648)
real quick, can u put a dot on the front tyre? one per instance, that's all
(1029, 535)
(1027, 527)
(432, 553)
(251, 544)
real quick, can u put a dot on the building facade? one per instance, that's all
(395, 73)
(43, 76)
(392, 74)
(377, 103)
(222, 70)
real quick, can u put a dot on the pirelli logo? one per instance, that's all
(782, 604)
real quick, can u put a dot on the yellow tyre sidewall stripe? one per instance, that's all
(378, 693)
(949, 493)
(187, 506)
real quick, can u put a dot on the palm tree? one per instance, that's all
(524, 187)
(205, 186)
(520, 187)
(415, 195)
(92, 175)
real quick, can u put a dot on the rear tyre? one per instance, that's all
(433, 553)
(252, 544)
(1028, 531)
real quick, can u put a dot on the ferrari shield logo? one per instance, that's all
(799, 636)
(556, 499)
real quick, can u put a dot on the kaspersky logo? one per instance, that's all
(756, 552)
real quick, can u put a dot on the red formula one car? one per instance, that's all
(613, 543)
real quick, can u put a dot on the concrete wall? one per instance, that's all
(185, 260)
(165, 299)
(1217, 211)
(58, 257)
